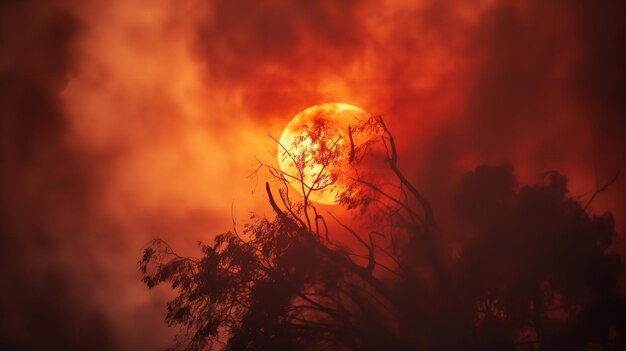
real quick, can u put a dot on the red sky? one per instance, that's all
(128, 120)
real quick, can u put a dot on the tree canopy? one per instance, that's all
(534, 271)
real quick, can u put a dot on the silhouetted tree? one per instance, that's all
(536, 264)
(534, 273)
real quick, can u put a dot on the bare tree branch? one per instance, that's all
(602, 188)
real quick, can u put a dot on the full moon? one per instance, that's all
(313, 147)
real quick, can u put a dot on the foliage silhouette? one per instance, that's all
(533, 273)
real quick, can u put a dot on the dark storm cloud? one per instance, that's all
(277, 50)
(541, 58)
(44, 188)
(601, 76)
(243, 37)
(511, 88)
(544, 88)
(552, 76)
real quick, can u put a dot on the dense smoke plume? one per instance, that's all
(128, 120)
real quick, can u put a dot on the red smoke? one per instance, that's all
(128, 120)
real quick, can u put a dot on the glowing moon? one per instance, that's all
(314, 147)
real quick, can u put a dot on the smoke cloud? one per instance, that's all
(123, 121)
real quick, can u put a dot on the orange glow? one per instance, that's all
(151, 116)
(296, 144)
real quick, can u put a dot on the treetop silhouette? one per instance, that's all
(534, 273)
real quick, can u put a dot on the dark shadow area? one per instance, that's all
(532, 272)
